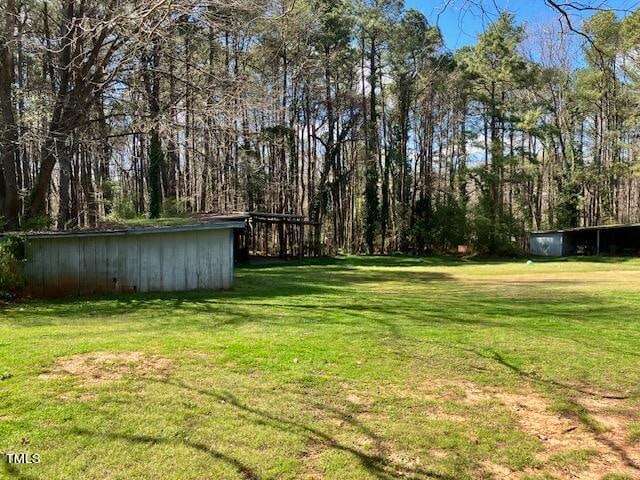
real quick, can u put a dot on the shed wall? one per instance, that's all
(546, 244)
(152, 262)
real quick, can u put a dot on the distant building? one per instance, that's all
(615, 240)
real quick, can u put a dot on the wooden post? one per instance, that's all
(252, 225)
(597, 242)
(282, 239)
(301, 240)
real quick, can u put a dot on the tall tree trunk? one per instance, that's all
(63, 190)
(156, 157)
(61, 120)
(155, 174)
(372, 214)
(88, 189)
(170, 168)
(10, 141)
(104, 155)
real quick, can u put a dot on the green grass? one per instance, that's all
(573, 458)
(361, 367)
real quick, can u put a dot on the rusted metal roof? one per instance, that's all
(231, 223)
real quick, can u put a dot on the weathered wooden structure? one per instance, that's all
(156, 259)
(281, 235)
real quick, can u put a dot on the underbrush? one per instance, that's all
(11, 256)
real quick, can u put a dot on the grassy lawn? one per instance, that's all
(348, 368)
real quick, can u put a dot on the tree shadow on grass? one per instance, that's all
(532, 376)
(304, 278)
(531, 308)
(244, 470)
(274, 285)
(342, 262)
(578, 411)
(356, 424)
(264, 285)
(422, 261)
(341, 277)
(13, 472)
(377, 464)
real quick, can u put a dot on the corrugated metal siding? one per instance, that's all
(546, 244)
(154, 262)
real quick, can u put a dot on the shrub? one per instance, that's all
(450, 225)
(37, 223)
(175, 208)
(440, 227)
(123, 207)
(495, 233)
(12, 252)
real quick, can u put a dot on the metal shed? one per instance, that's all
(615, 240)
(546, 244)
(155, 259)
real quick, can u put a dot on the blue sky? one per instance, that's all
(460, 24)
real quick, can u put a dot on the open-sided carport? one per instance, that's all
(614, 240)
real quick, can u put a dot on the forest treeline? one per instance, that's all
(351, 112)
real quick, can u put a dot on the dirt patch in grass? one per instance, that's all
(493, 470)
(561, 436)
(311, 457)
(101, 367)
(77, 396)
(356, 400)
(616, 418)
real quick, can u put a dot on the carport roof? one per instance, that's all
(594, 227)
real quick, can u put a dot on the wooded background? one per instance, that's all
(351, 112)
